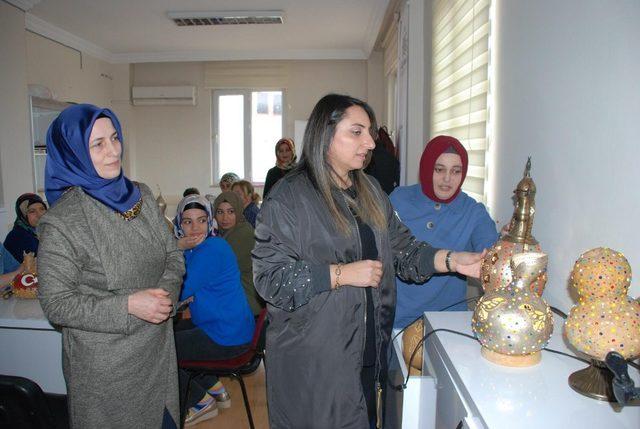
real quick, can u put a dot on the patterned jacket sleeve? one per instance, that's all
(280, 275)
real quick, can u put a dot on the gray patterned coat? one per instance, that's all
(120, 371)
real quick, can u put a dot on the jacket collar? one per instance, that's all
(420, 200)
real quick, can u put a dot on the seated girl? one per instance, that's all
(250, 200)
(221, 324)
(236, 231)
(23, 237)
(438, 212)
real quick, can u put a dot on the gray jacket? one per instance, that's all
(120, 371)
(315, 338)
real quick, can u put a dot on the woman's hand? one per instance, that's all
(505, 229)
(150, 305)
(365, 273)
(186, 243)
(465, 263)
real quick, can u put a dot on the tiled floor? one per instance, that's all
(236, 416)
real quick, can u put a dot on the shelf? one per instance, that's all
(43, 113)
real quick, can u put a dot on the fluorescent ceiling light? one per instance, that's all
(188, 19)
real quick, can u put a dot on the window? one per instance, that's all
(460, 82)
(246, 126)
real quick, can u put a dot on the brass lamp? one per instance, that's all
(162, 205)
(605, 319)
(496, 269)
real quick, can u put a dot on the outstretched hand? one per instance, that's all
(467, 263)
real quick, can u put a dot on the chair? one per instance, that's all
(23, 404)
(236, 367)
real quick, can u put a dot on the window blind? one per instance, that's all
(246, 74)
(460, 82)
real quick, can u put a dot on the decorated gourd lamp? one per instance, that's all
(605, 319)
(411, 338)
(513, 323)
(496, 269)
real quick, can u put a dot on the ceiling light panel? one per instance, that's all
(245, 17)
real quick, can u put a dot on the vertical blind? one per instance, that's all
(460, 82)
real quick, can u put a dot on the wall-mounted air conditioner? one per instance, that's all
(163, 95)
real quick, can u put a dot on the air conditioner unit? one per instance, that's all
(163, 95)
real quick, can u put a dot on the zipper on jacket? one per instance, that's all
(378, 405)
(364, 292)
(364, 341)
(379, 345)
(364, 336)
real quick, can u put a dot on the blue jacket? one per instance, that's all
(219, 307)
(20, 240)
(250, 213)
(461, 225)
(7, 262)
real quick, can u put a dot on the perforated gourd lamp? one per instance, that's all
(513, 323)
(496, 269)
(605, 318)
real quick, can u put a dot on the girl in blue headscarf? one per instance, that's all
(221, 324)
(109, 274)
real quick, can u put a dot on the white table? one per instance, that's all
(459, 385)
(29, 346)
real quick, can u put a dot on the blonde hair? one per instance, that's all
(247, 189)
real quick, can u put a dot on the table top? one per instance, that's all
(22, 314)
(535, 397)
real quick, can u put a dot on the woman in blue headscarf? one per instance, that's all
(109, 274)
(221, 324)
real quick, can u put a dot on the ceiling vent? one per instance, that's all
(191, 19)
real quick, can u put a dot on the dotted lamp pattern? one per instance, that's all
(605, 318)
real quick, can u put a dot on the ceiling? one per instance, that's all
(131, 31)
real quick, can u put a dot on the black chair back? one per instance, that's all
(23, 404)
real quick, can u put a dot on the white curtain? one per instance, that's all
(460, 82)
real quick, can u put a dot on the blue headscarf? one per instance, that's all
(69, 161)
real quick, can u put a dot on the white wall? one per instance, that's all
(15, 151)
(376, 89)
(172, 142)
(568, 94)
(173, 148)
(71, 76)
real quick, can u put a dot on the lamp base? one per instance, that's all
(511, 360)
(593, 381)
